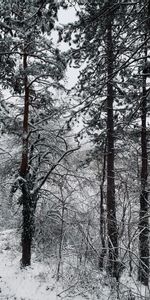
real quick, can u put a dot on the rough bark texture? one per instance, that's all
(27, 229)
(27, 212)
(143, 272)
(111, 205)
(24, 161)
(102, 215)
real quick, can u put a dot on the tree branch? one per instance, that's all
(53, 168)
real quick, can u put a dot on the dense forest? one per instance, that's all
(74, 158)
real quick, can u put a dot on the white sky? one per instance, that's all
(66, 16)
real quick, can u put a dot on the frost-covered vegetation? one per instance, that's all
(74, 158)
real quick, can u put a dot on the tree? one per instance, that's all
(143, 272)
(38, 68)
(109, 87)
(111, 205)
(96, 46)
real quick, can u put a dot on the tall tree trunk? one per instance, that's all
(143, 271)
(102, 213)
(61, 234)
(24, 161)
(111, 205)
(27, 228)
(27, 213)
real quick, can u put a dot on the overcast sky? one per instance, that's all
(66, 16)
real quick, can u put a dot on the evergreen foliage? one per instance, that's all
(93, 205)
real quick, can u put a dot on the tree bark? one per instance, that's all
(102, 214)
(111, 205)
(24, 160)
(27, 211)
(27, 228)
(143, 271)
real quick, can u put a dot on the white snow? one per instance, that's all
(38, 282)
(33, 283)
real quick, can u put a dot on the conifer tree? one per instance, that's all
(95, 45)
(32, 70)
(111, 51)
(143, 272)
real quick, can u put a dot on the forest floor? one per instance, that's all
(33, 283)
(38, 282)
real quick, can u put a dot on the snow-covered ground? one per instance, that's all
(34, 283)
(38, 282)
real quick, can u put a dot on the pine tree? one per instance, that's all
(37, 69)
(109, 87)
(95, 44)
(111, 205)
(143, 272)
